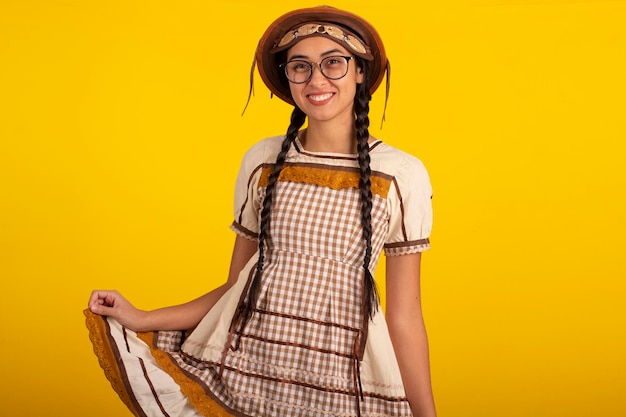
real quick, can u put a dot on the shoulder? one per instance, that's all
(396, 163)
(265, 148)
(262, 152)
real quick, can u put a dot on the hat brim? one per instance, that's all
(267, 61)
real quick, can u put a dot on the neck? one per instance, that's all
(330, 138)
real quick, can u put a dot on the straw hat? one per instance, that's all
(347, 29)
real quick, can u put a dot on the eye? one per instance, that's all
(299, 66)
(334, 61)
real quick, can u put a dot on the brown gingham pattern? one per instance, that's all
(296, 355)
(303, 336)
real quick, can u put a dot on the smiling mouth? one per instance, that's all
(320, 97)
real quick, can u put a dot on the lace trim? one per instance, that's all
(332, 178)
(243, 232)
(406, 248)
(196, 395)
(106, 358)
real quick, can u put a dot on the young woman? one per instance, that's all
(297, 329)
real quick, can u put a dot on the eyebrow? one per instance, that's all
(332, 51)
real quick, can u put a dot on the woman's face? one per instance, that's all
(320, 98)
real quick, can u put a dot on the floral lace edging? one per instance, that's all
(106, 358)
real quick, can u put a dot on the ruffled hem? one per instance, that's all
(114, 371)
(98, 331)
(195, 394)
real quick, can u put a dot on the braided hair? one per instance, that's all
(361, 110)
(298, 117)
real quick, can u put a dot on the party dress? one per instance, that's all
(308, 349)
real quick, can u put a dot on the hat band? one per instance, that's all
(309, 29)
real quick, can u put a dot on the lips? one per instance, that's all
(320, 98)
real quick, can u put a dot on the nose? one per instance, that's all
(316, 75)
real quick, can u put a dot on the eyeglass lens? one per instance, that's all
(333, 67)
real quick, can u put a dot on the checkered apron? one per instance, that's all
(299, 353)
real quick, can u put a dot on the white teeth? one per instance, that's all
(321, 97)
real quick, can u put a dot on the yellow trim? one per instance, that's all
(196, 395)
(106, 357)
(332, 178)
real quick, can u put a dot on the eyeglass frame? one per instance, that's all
(348, 58)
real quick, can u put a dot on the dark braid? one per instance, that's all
(361, 110)
(297, 120)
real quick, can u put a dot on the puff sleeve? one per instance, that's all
(410, 209)
(247, 201)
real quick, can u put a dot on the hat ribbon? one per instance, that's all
(319, 28)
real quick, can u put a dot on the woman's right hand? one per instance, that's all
(112, 304)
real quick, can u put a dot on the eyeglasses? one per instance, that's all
(299, 71)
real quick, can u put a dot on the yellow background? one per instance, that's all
(121, 135)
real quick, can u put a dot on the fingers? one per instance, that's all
(101, 299)
(112, 304)
(96, 297)
(100, 308)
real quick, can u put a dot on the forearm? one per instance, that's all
(408, 336)
(408, 333)
(180, 317)
(188, 315)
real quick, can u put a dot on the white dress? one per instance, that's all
(308, 349)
